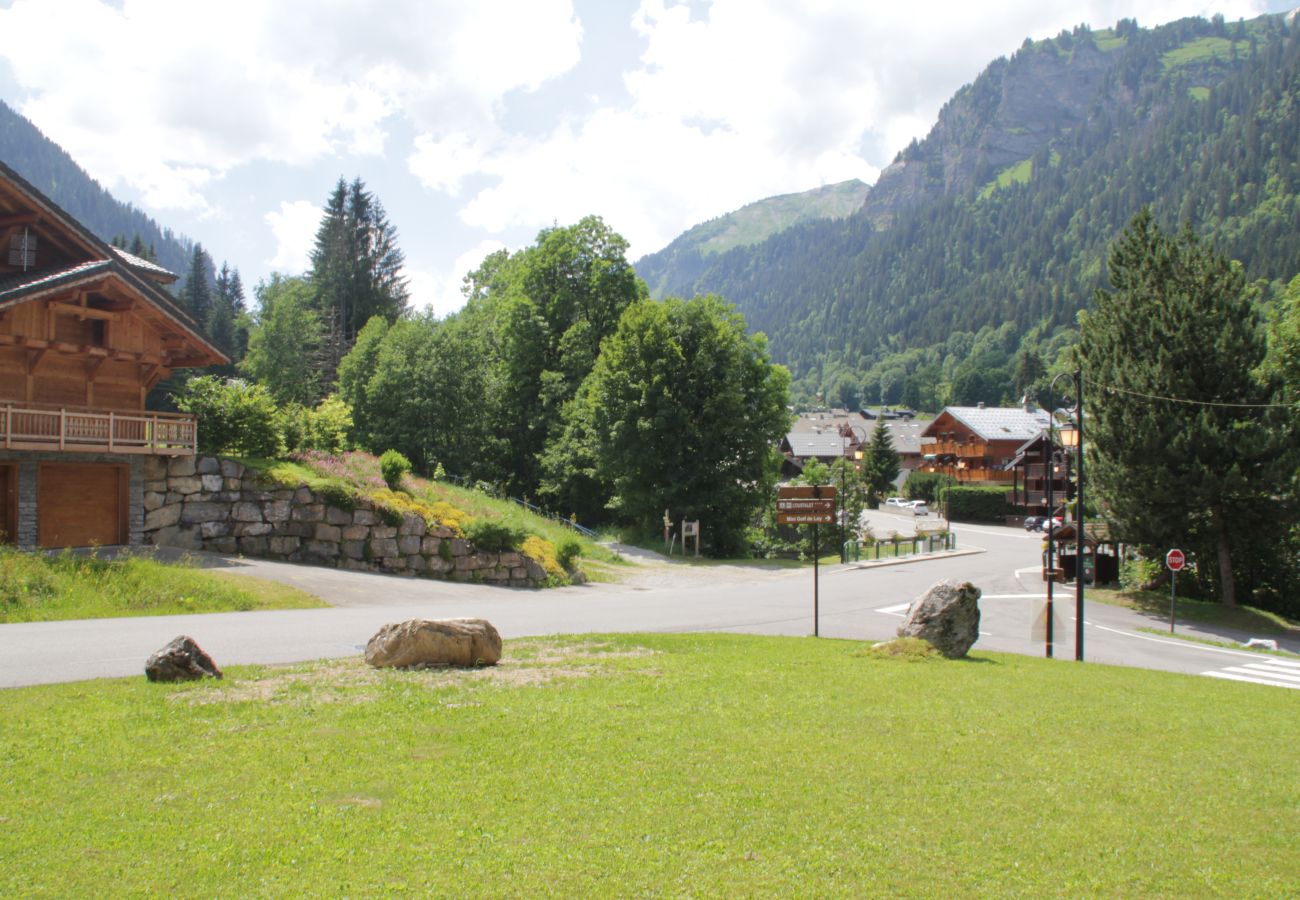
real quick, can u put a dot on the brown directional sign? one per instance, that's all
(805, 505)
(806, 491)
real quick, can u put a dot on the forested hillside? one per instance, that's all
(53, 172)
(958, 279)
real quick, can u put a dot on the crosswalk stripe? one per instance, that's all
(1231, 677)
(1284, 663)
(1270, 671)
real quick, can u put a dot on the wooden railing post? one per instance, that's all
(63, 425)
(112, 430)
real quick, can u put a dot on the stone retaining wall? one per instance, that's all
(207, 503)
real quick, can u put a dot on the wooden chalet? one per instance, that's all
(1038, 465)
(973, 444)
(86, 330)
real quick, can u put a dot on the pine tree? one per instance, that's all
(1178, 451)
(881, 466)
(356, 271)
(196, 294)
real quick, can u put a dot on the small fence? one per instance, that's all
(854, 551)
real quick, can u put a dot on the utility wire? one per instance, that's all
(1117, 390)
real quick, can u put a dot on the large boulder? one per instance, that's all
(947, 615)
(181, 660)
(435, 642)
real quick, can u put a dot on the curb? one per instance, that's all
(916, 557)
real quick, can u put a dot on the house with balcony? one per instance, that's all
(1040, 472)
(86, 330)
(973, 444)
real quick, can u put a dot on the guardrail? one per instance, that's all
(915, 546)
(25, 427)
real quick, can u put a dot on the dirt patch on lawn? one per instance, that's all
(524, 663)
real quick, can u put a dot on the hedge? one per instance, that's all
(977, 503)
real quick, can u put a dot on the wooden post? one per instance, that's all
(63, 425)
(112, 430)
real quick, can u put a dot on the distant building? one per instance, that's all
(974, 444)
(828, 434)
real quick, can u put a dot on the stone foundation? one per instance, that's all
(207, 503)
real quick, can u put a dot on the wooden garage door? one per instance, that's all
(79, 504)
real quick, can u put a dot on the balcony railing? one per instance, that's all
(29, 427)
(955, 448)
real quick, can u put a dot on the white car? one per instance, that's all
(897, 501)
(919, 508)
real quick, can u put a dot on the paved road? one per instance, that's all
(856, 601)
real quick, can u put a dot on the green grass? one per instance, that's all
(356, 475)
(1198, 92)
(1019, 173)
(1259, 622)
(35, 587)
(717, 765)
(1203, 50)
(1209, 642)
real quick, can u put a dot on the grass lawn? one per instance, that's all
(666, 765)
(35, 587)
(1258, 622)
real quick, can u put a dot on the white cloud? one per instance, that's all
(294, 226)
(441, 292)
(165, 96)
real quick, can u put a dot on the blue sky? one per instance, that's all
(478, 123)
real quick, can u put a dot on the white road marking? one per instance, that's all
(1235, 674)
(1013, 596)
(1183, 644)
(894, 610)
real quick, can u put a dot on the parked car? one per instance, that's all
(919, 508)
(897, 501)
(1034, 523)
(1050, 525)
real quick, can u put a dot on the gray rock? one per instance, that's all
(162, 517)
(435, 642)
(231, 469)
(207, 465)
(947, 615)
(181, 466)
(180, 660)
(186, 484)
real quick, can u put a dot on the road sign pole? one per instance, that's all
(1173, 592)
(816, 560)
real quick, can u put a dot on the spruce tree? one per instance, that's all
(881, 466)
(356, 271)
(196, 294)
(1182, 448)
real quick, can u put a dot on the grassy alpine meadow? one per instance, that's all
(39, 587)
(662, 765)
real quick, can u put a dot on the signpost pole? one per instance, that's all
(816, 575)
(1173, 592)
(1174, 560)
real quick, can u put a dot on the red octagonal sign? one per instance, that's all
(1175, 560)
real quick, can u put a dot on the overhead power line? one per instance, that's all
(1219, 403)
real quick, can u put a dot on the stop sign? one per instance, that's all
(1175, 560)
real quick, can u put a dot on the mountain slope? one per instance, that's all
(749, 225)
(1004, 212)
(52, 171)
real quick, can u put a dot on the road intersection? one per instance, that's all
(857, 601)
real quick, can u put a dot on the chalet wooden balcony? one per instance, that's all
(958, 449)
(71, 430)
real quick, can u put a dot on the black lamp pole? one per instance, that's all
(1079, 546)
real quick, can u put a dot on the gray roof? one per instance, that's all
(142, 265)
(996, 423)
(805, 444)
(905, 433)
(19, 284)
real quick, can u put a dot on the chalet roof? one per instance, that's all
(19, 285)
(140, 276)
(994, 423)
(1024, 449)
(144, 266)
(805, 444)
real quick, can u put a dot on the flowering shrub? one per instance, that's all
(392, 466)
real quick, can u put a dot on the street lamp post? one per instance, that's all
(1071, 438)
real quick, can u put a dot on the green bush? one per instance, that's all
(392, 466)
(493, 536)
(234, 416)
(926, 485)
(1139, 574)
(568, 551)
(976, 503)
